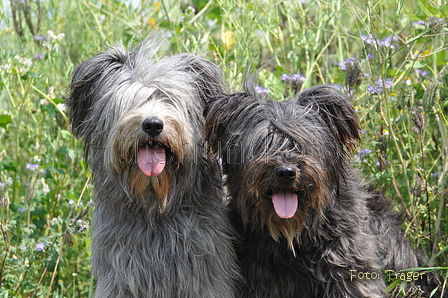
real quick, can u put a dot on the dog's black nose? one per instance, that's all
(285, 173)
(152, 126)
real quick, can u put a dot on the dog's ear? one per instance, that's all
(220, 114)
(336, 111)
(207, 78)
(90, 80)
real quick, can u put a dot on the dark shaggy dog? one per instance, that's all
(160, 228)
(309, 225)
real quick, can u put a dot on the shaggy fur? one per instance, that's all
(155, 234)
(309, 226)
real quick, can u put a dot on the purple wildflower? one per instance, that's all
(298, 77)
(386, 42)
(368, 39)
(32, 167)
(41, 37)
(261, 90)
(21, 209)
(285, 77)
(38, 56)
(337, 86)
(372, 89)
(40, 246)
(364, 152)
(422, 73)
(388, 83)
(346, 61)
(379, 85)
(82, 225)
(420, 23)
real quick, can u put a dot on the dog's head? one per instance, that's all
(283, 160)
(141, 117)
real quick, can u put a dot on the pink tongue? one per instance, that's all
(151, 160)
(285, 203)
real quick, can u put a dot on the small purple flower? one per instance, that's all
(368, 39)
(40, 246)
(21, 210)
(32, 167)
(386, 42)
(337, 87)
(388, 83)
(285, 77)
(364, 152)
(82, 225)
(372, 89)
(347, 61)
(41, 37)
(420, 23)
(422, 73)
(71, 202)
(379, 85)
(38, 56)
(298, 77)
(261, 90)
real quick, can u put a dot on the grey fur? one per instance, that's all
(166, 236)
(340, 224)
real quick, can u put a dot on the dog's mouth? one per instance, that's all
(285, 202)
(151, 158)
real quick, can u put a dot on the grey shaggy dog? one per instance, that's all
(160, 228)
(309, 226)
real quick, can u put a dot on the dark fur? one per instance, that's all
(341, 224)
(164, 236)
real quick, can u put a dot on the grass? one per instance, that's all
(389, 56)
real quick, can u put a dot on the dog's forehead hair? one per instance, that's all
(284, 124)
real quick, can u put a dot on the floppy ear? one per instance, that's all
(336, 111)
(220, 116)
(207, 78)
(90, 78)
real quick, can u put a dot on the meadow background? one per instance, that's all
(390, 57)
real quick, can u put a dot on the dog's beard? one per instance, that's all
(147, 165)
(283, 209)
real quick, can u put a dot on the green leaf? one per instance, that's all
(65, 134)
(30, 74)
(7, 165)
(5, 120)
(415, 64)
(58, 100)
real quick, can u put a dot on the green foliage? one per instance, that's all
(389, 56)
